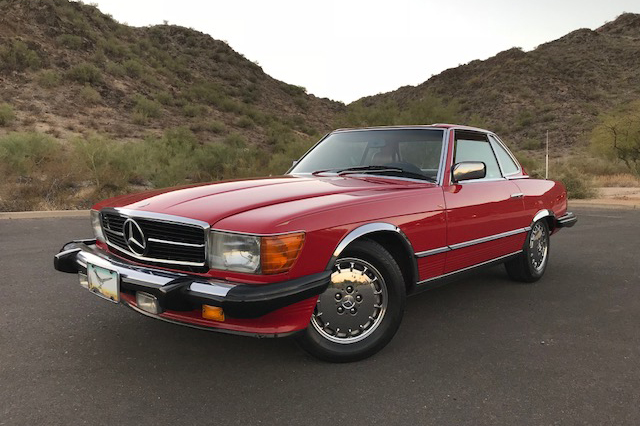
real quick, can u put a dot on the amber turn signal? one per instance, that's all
(279, 252)
(212, 312)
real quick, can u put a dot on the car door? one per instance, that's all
(484, 216)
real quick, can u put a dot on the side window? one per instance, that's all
(508, 165)
(478, 150)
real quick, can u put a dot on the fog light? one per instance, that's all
(84, 281)
(212, 312)
(148, 302)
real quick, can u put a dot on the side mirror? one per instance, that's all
(293, 164)
(468, 170)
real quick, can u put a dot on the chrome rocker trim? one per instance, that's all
(469, 268)
(470, 243)
(179, 289)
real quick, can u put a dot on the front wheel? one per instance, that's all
(361, 309)
(531, 264)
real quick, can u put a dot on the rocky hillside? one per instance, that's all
(561, 86)
(67, 69)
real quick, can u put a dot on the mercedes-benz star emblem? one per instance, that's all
(134, 237)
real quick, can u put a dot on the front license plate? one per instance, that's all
(104, 282)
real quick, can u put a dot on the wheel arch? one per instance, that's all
(547, 215)
(392, 239)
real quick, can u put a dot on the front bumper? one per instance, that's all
(178, 292)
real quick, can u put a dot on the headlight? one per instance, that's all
(234, 252)
(254, 254)
(97, 225)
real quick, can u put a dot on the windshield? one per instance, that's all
(415, 151)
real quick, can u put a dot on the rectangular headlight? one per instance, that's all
(97, 225)
(234, 252)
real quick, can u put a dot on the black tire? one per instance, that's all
(369, 259)
(527, 266)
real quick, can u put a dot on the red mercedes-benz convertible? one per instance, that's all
(330, 250)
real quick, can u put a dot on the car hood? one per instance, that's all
(213, 202)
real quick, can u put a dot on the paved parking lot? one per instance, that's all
(481, 351)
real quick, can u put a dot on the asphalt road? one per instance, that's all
(481, 351)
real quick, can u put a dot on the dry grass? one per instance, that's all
(625, 180)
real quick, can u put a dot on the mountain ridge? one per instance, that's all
(561, 86)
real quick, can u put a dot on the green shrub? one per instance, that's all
(216, 127)
(293, 90)
(85, 73)
(578, 185)
(70, 41)
(17, 56)
(165, 98)
(235, 140)
(206, 92)
(618, 136)
(6, 114)
(302, 103)
(139, 118)
(113, 48)
(23, 153)
(244, 122)
(48, 79)
(133, 68)
(144, 109)
(107, 162)
(191, 110)
(531, 144)
(90, 95)
(116, 69)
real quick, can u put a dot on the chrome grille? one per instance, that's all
(166, 241)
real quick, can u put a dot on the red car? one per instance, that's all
(329, 251)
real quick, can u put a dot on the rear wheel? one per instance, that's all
(361, 309)
(531, 264)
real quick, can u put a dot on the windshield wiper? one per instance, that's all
(377, 169)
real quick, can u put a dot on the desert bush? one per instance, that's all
(302, 103)
(618, 136)
(89, 95)
(113, 48)
(578, 185)
(191, 110)
(165, 98)
(107, 162)
(70, 41)
(150, 80)
(85, 73)
(133, 68)
(617, 180)
(116, 69)
(531, 144)
(146, 108)
(231, 105)
(235, 140)
(17, 56)
(24, 153)
(6, 114)
(293, 90)
(48, 79)
(216, 127)
(244, 122)
(206, 92)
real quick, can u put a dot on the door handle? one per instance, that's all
(517, 195)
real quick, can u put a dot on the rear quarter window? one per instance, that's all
(509, 166)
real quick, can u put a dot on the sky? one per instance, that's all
(347, 49)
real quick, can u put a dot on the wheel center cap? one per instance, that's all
(348, 302)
